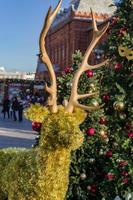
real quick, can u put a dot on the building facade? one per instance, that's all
(72, 30)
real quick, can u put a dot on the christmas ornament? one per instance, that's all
(125, 181)
(89, 73)
(83, 176)
(125, 173)
(92, 188)
(103, 134)
(118, 105)
(123, 163)
(110, 176)
(106, 97)
(122, 31)
(118, 66)
(109, 154)
(103, 121)
(92, 160)
(125, 52)
(68, 70)
(36, 126)
(122, 116)
(130, 134)
(91, 131)
(92, 87)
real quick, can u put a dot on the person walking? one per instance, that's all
(6, 107)
(15, 107)
(20, 110)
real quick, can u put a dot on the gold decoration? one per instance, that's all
(83, 176)
(103, 134)
(118, 105)
(125, 52)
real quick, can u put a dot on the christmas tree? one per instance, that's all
(103, 167)
(87, 162)
(117, 85)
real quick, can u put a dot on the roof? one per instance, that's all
(81, 7)
(98, 6)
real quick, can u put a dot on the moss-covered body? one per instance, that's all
(42, 173)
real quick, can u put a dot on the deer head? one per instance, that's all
(52, 90)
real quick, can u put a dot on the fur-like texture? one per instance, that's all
(42, 173)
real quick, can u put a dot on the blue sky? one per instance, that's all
(20, 25)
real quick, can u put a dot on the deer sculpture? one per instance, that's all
(42, 173)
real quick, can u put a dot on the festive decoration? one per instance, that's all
(91, 131)
(124, 51)
(119, 106)
(83, 176)
(36, 126)
(90, 73)
(118, 66)
(42, 173)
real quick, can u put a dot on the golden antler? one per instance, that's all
(52, 90)
(73, 101)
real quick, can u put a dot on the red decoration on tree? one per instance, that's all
(110, 176)
(90, 131)
(118, 66)
(122, 31)
(115, 20)
(92, 188)
(123, 163)
(106, 97)
(36, 126)
(103, 121)
(89, 73)
(109, 154)
(67, 70)
(125, 173)
(125, 181)
(130, 134)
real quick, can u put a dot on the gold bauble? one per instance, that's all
(83, 176)
(118, 105)
(92, 160)
(103, 134)
(122, 116)
(92, 87)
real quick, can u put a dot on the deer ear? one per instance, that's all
(36, 112)
(79, 115)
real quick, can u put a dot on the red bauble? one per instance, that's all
(118, 66)
(103, 121)
(130, 134)
(90, 131)
(36, 126)
(123, 163)
(110, 176)
(106, 97)
(109, 154)
(92, 188)
(125, 173)
(67, 70)
(125, 181)
(89, 73)
(122, 31)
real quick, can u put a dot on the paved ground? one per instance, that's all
(16, 134)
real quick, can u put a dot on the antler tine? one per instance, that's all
(74, 97)
(52, 90)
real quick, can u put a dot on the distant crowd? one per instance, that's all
(13, 108)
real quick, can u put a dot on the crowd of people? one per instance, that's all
(13, 108)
